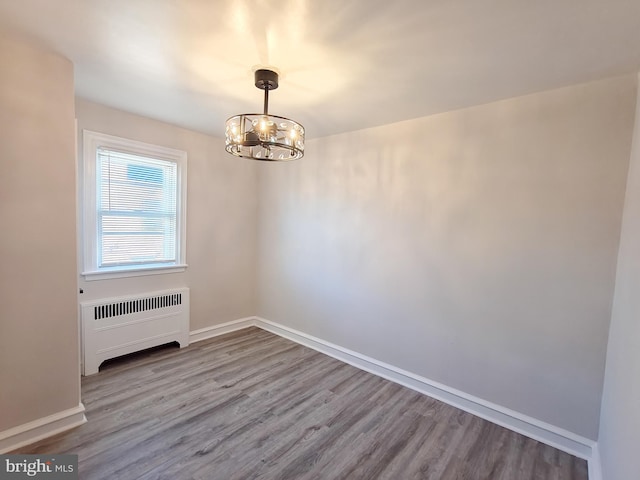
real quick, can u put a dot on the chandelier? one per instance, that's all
(263, 136)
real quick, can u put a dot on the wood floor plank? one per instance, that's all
(251, 405)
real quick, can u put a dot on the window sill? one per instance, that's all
(136, 272)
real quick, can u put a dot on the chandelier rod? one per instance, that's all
(266, 98)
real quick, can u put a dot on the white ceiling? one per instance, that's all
(344, 64)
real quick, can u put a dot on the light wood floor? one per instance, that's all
(251, 405)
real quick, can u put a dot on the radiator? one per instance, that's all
(116, 326)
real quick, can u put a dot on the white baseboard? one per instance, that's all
(215, 330)
(533, 428)
(559, 438)
(595, 465)
(37, 430)
(538, 430)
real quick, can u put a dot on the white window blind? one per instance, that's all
(137, 200)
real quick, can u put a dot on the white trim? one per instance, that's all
(91, 141)
(536, 429)
(530, 427)
(37, 430)
(215, 330)
(137, 272)
(559, 438)
(595, 464)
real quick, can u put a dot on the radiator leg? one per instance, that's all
(91, 367)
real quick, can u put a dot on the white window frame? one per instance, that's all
(91, 142)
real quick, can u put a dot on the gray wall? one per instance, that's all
(39, 358)
(476, 248)
(221, 219)
(620, 416)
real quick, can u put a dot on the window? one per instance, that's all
(133, 207)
